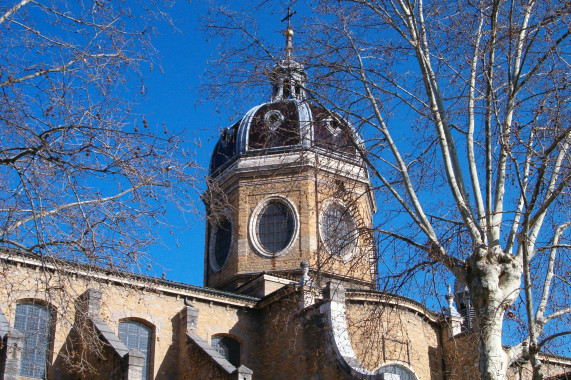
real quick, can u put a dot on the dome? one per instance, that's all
(289, 122)
(285, 125)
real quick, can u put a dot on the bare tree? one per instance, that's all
(83, 179)
(465, 106)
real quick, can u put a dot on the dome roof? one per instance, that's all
(285, 125)
(288, 123)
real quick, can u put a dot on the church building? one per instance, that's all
(289, 277)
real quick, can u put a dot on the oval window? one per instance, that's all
(275, 227)
(222, 241)
(338, 230)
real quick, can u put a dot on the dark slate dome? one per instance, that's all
(285, 125)
(289, 122)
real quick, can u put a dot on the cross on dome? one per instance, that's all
(288, 77)
(288, 33)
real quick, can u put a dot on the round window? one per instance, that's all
(220, 242)
(275, 226)
(338, 230)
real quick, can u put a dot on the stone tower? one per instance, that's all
(286, 185)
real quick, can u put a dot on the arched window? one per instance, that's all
(33, 321)
(136, 335)
(228, 348)
(400, 370)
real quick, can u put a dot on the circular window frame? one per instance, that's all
(339, 203)
(254, 221)
(275, 124)
(212, 242)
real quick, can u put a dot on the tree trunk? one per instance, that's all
(537, 366)
(493, 358)
(494, 280)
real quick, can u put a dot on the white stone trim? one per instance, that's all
(334, 311)
(212, 242)
(253, 226)
(328, 124)
(242, 139)
(305, 123)
(355, 233)
(273, 125)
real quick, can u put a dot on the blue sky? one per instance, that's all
(173, 96)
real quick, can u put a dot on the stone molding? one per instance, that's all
(132, 360)
(17, 258)
(293, 161)
(333, 308)
(188, 326)
(240, 373)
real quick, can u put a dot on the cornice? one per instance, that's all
(395, 300)
(142, 282)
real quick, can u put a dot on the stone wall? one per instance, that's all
(552, 369)
(155, 304)
(461, 356)
(384, 333)
(290, 334)
(296, 342)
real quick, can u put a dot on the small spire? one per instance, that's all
(288, 77)
(451, 310)
(305, 280)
